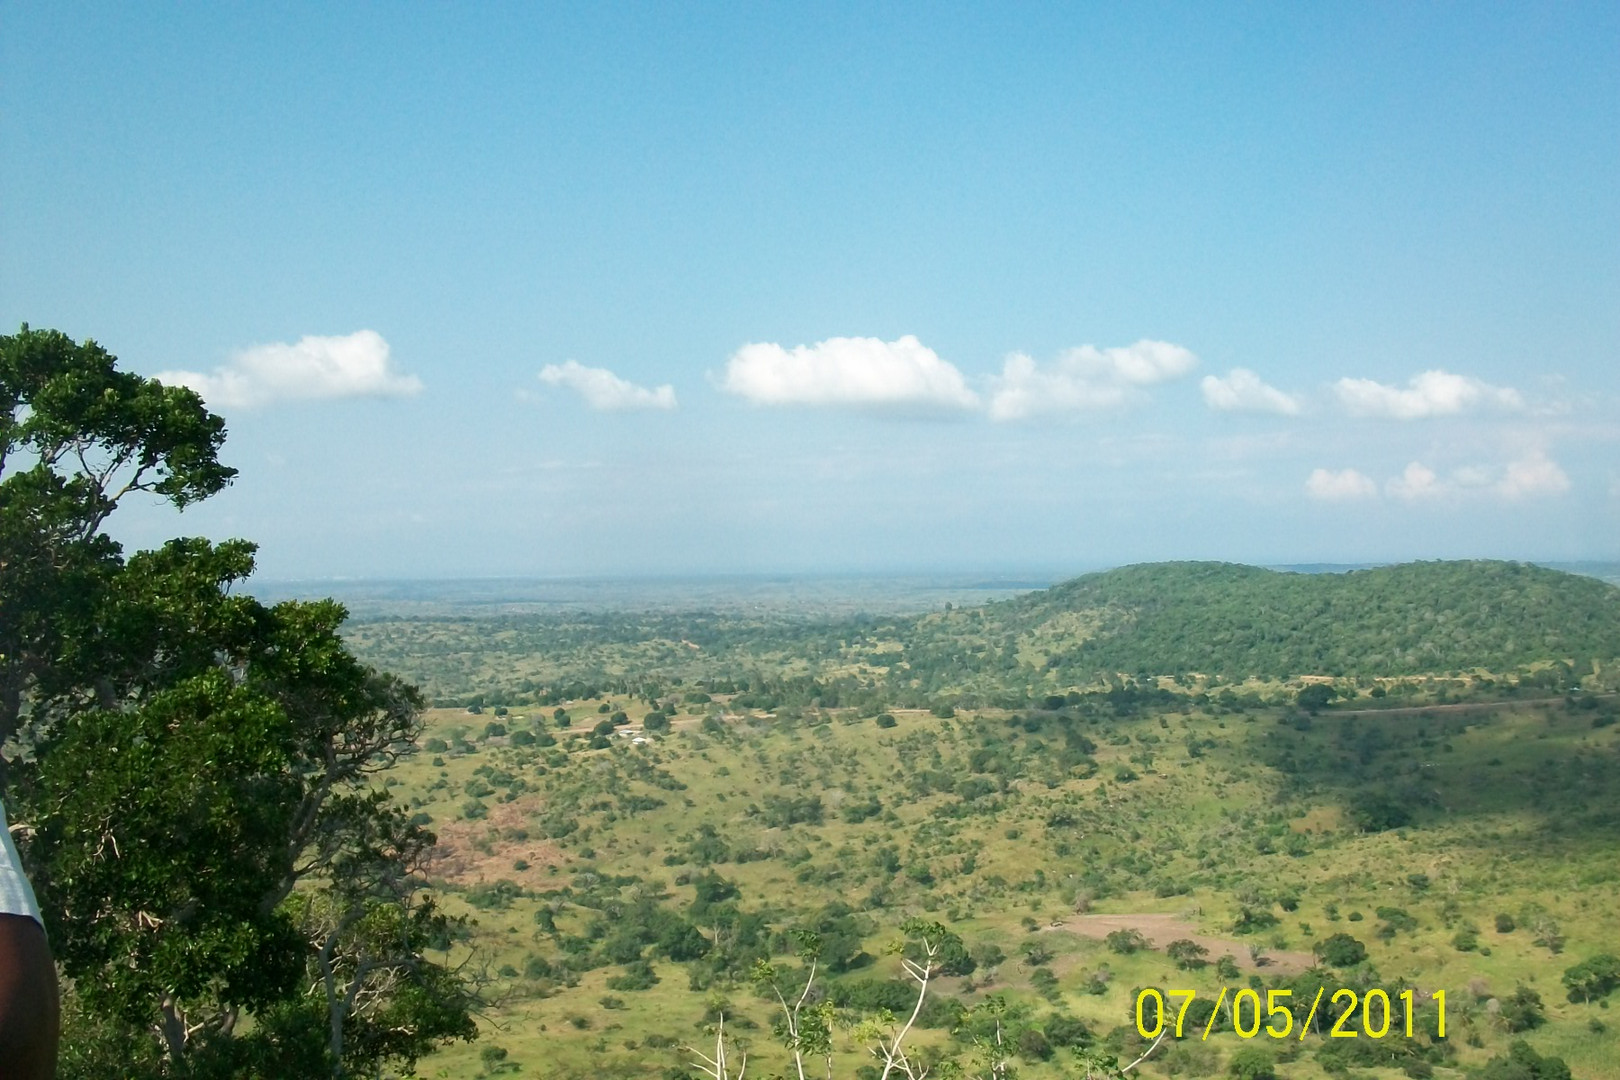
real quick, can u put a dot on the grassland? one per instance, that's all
(640, 805)
(1245, 823)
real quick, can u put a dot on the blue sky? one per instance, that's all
(535, 290)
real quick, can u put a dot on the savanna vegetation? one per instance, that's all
(658, 844)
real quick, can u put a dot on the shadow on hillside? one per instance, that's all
(1555, 768)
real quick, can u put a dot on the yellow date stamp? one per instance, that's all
(1350, 1014)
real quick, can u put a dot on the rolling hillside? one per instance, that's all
(1242, 621)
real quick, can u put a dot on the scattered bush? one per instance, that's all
(1523, 1063)
(637, 975)
(1253, 1063)
(1340, 951)
(1188, 954)
(1522, 1010)
(1033, 1045)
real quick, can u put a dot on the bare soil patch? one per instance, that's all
(1161, 930)
(458, 859)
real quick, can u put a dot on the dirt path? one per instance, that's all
(1161, 930)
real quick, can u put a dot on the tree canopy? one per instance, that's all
(193, 768)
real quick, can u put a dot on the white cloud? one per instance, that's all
(1085, 378)
(1244, 391)
(1433, 393)
(1525, 477)
(1417, 481)
(604, 390)
(1340, 486)
(352, 365)
(847, 371)
(1533, 474)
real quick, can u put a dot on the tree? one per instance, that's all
(1340, 951)
(1188, 954)
(1521, 1062)
(1522, 1010)
(86, 437)
(196, 768)
(1591, 980)
(1315, 696)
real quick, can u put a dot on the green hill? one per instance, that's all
(1240, 621)
(1216, 619)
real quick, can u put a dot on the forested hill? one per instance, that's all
(1236, 621)
(1160, 619)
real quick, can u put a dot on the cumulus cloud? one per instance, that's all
(851, 371)
(1433, 393)
(604, 390)
(1525, 477)
(1085, 378)
(1340, 486)
(352, 365)
(1533, 474)
(1244, 391)
(1417, 481)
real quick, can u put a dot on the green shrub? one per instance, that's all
(1253, 1063)
(1523, 1063)
(1125, 942)
(637, 975)
(1522, 1010)
(1188, 954)
(1033, 1045)
(1340, 951)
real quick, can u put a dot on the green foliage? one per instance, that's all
(206, 842)
(1315, 696)
(1522, 1010)
(1188, 955)
(637, 975)
(1340, 951)
(1253, 1063)
(1521, 1062)
(783, 810)
(1125, 942)
(494, 896)
(1240, 621)
(1377, 812)
(1395, 921)
(856, 811)
(1592, 979)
